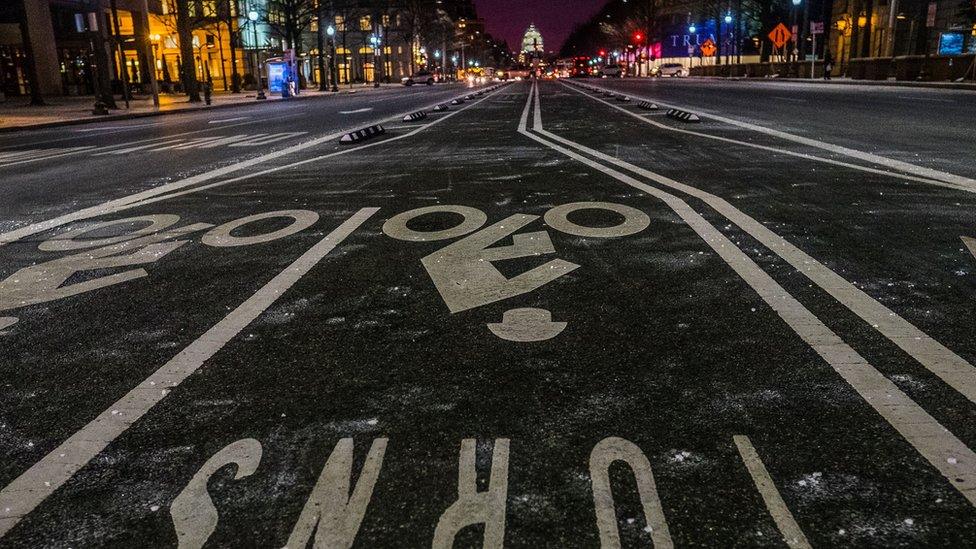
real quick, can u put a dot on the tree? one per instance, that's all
(188, 70)
(32, 77)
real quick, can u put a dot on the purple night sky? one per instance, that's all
(555, 19)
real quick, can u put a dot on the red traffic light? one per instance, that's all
(638, 37)
(602, 53)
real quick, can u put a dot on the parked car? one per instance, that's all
(611, 71)
(419, 77)
(670, 70)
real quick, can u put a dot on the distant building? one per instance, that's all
(532, 41)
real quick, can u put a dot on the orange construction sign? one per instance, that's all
(708, 48)
(780, 35)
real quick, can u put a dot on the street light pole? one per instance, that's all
(253, 17)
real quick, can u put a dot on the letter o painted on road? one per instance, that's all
(220, 236)
(68, 241)
(634, 221)
(396, 226)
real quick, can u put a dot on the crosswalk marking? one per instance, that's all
(11, 158)
(268, 140)
(211, 142)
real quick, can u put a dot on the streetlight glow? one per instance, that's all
(252, 15)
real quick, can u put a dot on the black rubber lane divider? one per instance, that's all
(684, 116)
(647, 105)
(623, 97)
(608, 93)
(469, 97)
(414, 116)
(457, 101)
(365, 133)
(441, 108)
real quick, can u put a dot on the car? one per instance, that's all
(670, 70)
(419, 77)
(611, 71)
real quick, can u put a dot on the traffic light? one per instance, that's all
(603, 53)
(638, 37)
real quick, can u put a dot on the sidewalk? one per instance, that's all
(967, 85)
(17, 114)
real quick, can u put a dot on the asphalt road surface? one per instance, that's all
(547, 317)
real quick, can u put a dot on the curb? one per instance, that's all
(150, 114)
(969, 86)
(684, 116)
(360, 135)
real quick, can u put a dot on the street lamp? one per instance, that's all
(330, 31)
(253, 17)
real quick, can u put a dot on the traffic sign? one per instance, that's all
(816, 27)
(708, 48)
(780, 35)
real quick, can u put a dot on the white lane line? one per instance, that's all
(792, 534)
(906, 167)
(925, 99)
(776, 150)
(159, 197)
(949, 455)
(121, 203)
(357, 111)
(935, 357)
(223, 120)
(231, 140)
(32, 487)
(33, 155)
(792, 99)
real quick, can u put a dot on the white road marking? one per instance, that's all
(223, 120)
(604, 454)
(970, 244)
(14, 158)
(933, 100)
(267, 140)
(793, 99)
(32, 487)
(928, 174)
(172, 190)
(950, 367)
(140, 141)
(949, 455)
(357, 111)
(792, 534)
(140, 147)
(107, 128)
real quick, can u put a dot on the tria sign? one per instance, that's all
(780, 35)
(708, 49)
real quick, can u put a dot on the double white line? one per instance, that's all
(950, 456)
